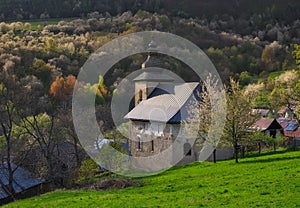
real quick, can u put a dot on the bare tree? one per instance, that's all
(9, 89)
(44, 130)
(66, 122)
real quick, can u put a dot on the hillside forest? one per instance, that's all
(43, 47)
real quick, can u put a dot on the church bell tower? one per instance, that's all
(151, 75)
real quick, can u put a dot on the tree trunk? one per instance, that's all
(236, 152)
(76, 151)
(236, 155)
(259, 147)
(11, 180)
(274, 146)
(9, 168)
(214, 155)
(52, 173)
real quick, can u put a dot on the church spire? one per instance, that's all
(152, 60)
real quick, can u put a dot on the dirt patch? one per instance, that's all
(110, 184)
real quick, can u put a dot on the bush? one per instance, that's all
(53, 28)
(4, 28)
(87, 171)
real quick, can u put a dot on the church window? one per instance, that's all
(187, 148)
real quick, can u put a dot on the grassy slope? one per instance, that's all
(39, 24)
(267, 181)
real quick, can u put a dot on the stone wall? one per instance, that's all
(150, 143)
(145, 143)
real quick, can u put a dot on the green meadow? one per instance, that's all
(40, 24)
(271, 180)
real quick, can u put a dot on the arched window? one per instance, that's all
(139, 143)
(187, 149)
(152, 145)
(140, 96)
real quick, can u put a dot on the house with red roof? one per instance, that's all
(291, 130)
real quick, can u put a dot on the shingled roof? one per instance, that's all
(293, 134)
(165, 103)
(23, 180)
(264, 124)
(154, 74)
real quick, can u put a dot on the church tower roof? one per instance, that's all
(152, 60)
(153, 67)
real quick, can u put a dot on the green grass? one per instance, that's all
(276, 74)
(272, 180)
(40, 24)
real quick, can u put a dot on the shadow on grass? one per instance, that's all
(280, 151)
(272, 159)
(255, 158)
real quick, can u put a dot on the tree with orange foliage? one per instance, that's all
(62, 89)
(69, 85)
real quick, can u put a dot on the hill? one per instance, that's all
(286, 11)
(266, 181)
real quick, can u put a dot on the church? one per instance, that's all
(161, 106)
